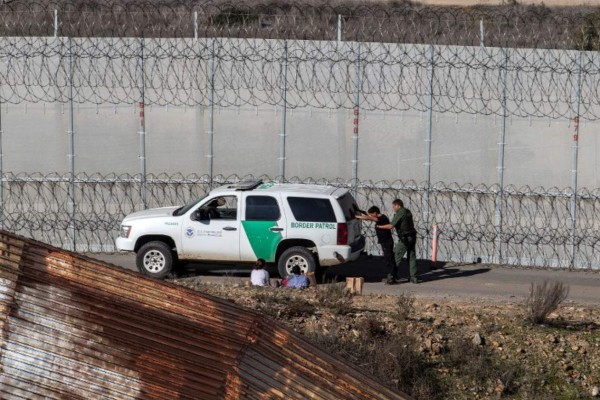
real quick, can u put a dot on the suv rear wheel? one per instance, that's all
(300, 256)
(155, 259)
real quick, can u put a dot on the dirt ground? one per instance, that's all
(461, 349)
(467, 326)
(548, 3)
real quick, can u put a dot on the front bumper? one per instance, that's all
(125, 244)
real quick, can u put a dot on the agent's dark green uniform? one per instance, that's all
(407, 239)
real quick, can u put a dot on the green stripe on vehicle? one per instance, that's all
(262, 240)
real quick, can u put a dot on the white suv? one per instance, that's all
(286, 224)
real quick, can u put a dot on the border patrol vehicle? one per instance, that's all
(310, 226)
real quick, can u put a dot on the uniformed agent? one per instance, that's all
(407, 237)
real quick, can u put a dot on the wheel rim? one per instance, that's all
(296, 260)
(154, 261)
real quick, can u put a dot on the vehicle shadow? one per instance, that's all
(449, 273)
(232, 270)
(237, 270)
(373, 269)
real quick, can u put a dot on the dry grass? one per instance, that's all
(334, 297)
(427, 349)
(404, 306)
(544, 298)
(509, 23)
(547, 3)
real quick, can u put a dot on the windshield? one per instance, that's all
(187, 207)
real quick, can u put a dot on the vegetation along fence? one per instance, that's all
(494, 63)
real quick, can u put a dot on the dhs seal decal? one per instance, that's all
(189, 232)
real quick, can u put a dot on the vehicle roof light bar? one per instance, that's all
(246, 185)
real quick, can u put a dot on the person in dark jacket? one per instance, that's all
(385, 240)
(407, 237)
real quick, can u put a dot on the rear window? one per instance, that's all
(349, 206)
(311, 210)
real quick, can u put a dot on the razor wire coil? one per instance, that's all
(536, 228)
(544, 52)
(539, 83)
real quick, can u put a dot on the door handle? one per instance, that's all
(230, 228)
(275, 229)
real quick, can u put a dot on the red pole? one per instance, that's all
(434, 247)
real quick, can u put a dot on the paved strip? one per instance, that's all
(453, 281)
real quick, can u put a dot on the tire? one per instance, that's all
(155, 259)
(299, 256)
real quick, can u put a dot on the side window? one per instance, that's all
(262, 208)
(223, 207)
(311, 210)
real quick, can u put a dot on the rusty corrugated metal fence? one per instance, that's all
(75, 328)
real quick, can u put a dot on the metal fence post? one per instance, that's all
(55, 23)
(574, 169)
(195, 24)
(501, 147)
(211, 111)
(428, 142)
(339, 27)
(142, 131)
(71, 144)
(282, 135)
(481, 33)
(355, 123)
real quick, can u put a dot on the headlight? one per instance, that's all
(125, 230)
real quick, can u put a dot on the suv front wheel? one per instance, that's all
(300, 256)
(155, 259)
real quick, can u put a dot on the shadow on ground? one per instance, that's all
(373, 269)
(574, 325)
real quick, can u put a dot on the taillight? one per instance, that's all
(342, 233)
